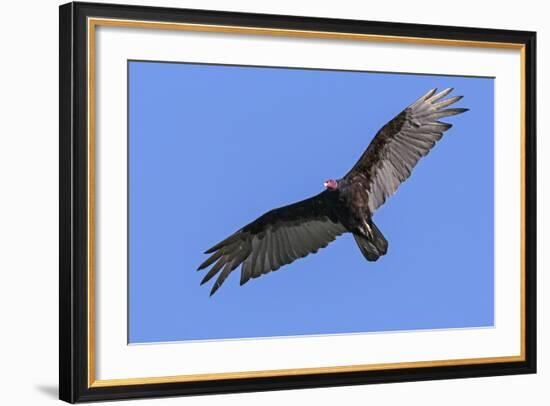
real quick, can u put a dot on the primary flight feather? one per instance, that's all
(287, 233)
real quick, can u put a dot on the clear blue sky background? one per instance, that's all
(214, 147)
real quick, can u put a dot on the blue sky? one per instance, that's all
(213, 147)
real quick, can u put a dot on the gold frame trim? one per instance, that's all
(94, 22)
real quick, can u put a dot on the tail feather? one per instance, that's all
(368, 249)
(372, 247)
(378, 239)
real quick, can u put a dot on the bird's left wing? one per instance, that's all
(399, 145)
(274, 239)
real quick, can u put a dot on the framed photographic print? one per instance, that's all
(254, 202)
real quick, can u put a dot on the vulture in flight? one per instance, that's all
(347, 205)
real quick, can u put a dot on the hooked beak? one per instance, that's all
(331, 184)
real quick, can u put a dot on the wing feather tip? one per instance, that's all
(430, 93)
(456, 110)
(203, 265)
(210, 260)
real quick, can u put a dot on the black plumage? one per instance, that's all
(285, 234)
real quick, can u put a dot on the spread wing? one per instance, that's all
(399, 145)
(274, 239)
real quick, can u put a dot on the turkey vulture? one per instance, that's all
(287, 233)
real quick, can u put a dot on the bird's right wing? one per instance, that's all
(274, 239)
(399, 145)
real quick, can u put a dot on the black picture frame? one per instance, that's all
(73, 283)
